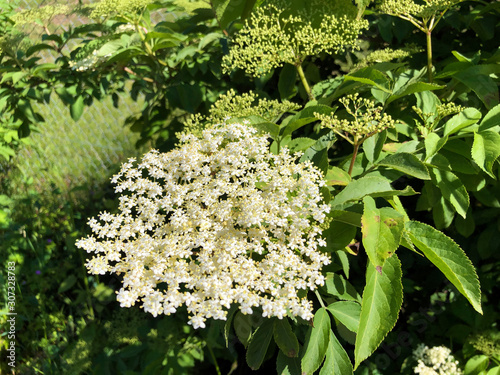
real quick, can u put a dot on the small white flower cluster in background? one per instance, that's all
(89, 62)
(125, 28)
(218, 220)
(435, 361)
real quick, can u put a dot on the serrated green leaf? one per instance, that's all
(476, 365)
(433, 143)
(357, 189)
(336, 285)
(483, 85)
(406, 163)
(337, 361)
(372, 147)
(339, 235)
(348, 217)
(452, 189)
(285, 338)
(257, 348)
(347, 312)
(382, 229)
(491, 119)
(446, 255)
(382, 300)
(370, 76)
(300, 144)
(286, 365)
(337, 176)
(316, 343)
(413, 88)
(485, 150)
(76, 108)
(468, 117)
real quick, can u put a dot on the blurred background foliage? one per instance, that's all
(70, 114)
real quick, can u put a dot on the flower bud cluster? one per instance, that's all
(219, 220)
(106, 8)
(410, 8)
(367, 118)
(44, 13)
(272, 38)
(244, 105)
(435, 361)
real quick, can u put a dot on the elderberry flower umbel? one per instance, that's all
(218, 220)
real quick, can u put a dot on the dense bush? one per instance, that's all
(395, 102)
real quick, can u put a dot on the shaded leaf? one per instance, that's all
(257, 348)
(347, 312)
(406, 163)
(452, 189)
(285, 338)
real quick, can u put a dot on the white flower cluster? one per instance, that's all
(435, 361)
(89, 62)
(218, 220)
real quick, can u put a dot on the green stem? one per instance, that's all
(428, 34)
(304, 80)
(214, 359)
(320, 299)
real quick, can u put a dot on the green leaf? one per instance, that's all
(468, 117)
(316, 343)
(209, 38)
(285, 338)
(76, 108)
(229, 320)
(485, 150)
(413, 88)
(406, 163)
(337, 176)
(483, 85)
(491, 119)
(286, 83)
(433, 143)
(300, 144)
(446, 255)
(257, 348)
(382, 229)
(263, 125)
(110, 48)
(452, 189)
(348, 217)
(228, 11)
(372, 147)
(357, 189)
(336, 285)
(476, 364)
(370, 77)
(339, 235)
(243, 327)
(347, 312)
(67, 283)
(337, 361)
(286, 365)
(382, 300)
